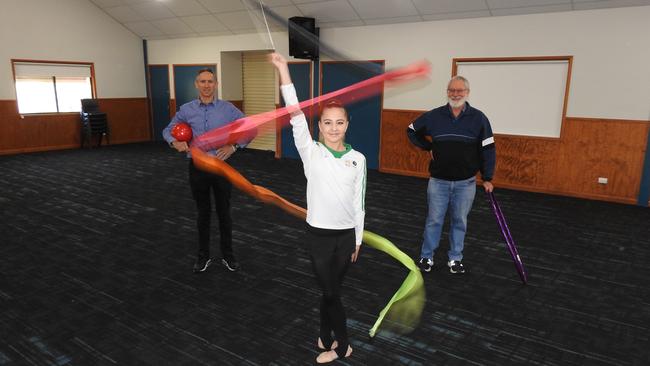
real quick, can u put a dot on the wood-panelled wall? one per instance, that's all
(588, 148)
(128, 119)
(396, 153)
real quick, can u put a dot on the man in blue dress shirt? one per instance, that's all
(203, 114)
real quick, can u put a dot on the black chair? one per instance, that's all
(93, 122)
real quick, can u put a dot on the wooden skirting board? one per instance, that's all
(128, 120)
(588, 148)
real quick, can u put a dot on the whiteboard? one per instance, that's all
(519, 97)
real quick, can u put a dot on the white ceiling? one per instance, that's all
(164, 19)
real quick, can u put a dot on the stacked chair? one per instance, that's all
(93, 123)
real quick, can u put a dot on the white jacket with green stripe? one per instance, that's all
(336, 181)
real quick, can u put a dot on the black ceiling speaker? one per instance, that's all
(303, 38)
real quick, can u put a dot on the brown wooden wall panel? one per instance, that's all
(128, 119)
(396, 154)
(36, 132)
(526, 161)
(588, 148)
(604, 148)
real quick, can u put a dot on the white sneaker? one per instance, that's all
(425, 264)
(456, 267)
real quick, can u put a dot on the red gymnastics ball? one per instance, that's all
(182, 132)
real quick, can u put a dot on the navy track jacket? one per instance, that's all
(460, 146)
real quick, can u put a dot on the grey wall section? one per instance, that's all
(231, 76)
(71, 30)
(519, 97)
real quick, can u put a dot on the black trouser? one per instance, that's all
(202, 183)
(330, 258)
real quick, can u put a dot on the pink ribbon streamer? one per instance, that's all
(244, 129)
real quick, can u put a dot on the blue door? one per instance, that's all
(301, 77)
(184, 76)
(159, 89)
(644, 189)
(365, 116)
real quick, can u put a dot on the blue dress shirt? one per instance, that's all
(204, 117)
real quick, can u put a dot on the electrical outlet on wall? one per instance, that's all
(602, 180)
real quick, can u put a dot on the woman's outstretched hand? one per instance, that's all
(280, 64)
(277, 60)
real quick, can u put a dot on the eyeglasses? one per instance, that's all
(456, 91)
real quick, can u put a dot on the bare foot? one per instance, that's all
(330, 356)
(322, 346)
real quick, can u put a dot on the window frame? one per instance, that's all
(93, 86)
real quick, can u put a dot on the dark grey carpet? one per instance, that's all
(97, 248)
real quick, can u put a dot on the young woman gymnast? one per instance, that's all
(336, 183)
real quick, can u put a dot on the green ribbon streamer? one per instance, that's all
(404, 309)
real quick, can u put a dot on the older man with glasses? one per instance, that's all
(461, 145)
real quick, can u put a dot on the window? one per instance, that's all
(46, 87)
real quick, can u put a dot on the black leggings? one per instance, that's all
(330, 258)
(202, 183)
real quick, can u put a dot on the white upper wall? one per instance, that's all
(71, 30)
(231, 78)
(208, 50)
(611, 49)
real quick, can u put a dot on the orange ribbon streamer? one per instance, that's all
(209, 163)
(404, 309)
